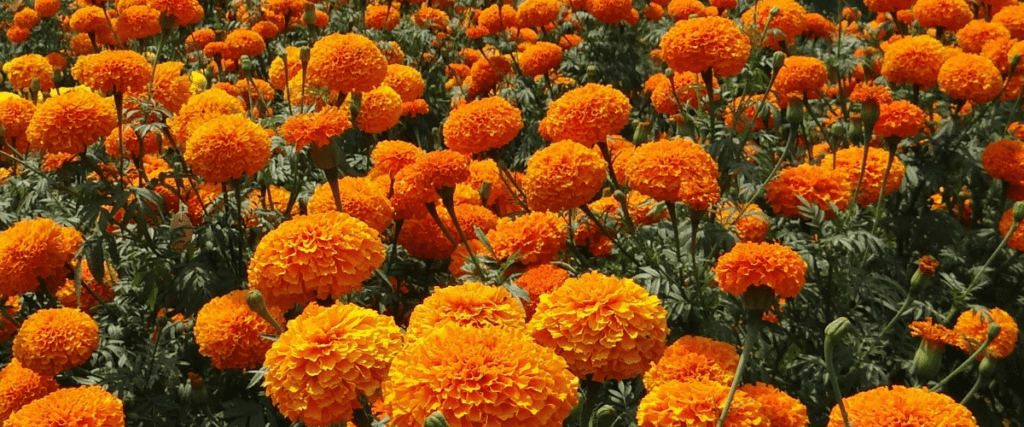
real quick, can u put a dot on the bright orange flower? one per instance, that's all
(915, 60)
(89, 19)
(946, 14)
(536, 238)
(34, 250)
(382, 16)
(697, 45)
(20, 386)
(819, 27)
(229, 332)
(761, 264)
(866, 92)
(470, 304)
(971, 78)
(185, 12)
(380, 110)
(1012, 17)
(317, 128)
(15, 116)
(540, 58)
(789, 21)
(848, 165)
(676, 170)
(68, 297)
(749, 222)
(347, 63)
(244, 42)
(973, 36)
(200, 109)
(537, 13)
(482, 125)
(538, 280)
(138, 22)
(899, 405)
(935, 335)
(113, 71)
(562, 176)
(226, 148)
(886, 6)
(405, 80)
(47, 8)
(443, 168)
(801, 74)
(71, 122)
(698, 404)
(610, 11)
(781, 409)
(26, 18)
(972, 330)
(26, 68)
(279, 77)
(390, 156)
(361, 198)
(78, 406)
(693, 358)
(54, 340)
(495, 22)
(1004, 159)
(899, 119)
(586, 115)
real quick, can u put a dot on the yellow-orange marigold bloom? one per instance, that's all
(819, 27)
(899, 119)
(424, 239)
(683, 9)
(79, 406)
(1004, 159)
(697, 404)
(405, 80)
(693, 358)
(1012, 17)
(138, 22)
(443, 168)
(33, 250)
(946, 14)
(697, 45)
(266, 29)
(244, 42)
(470, 304)
(390, 156)
(486, 171)
(789, 21)
(125, 143)
(20, 386)
(932, 333)
(316, 256)
(326, 359)
(380, 110)
(970, 77)
(361, 198)
(71, 122)
(228, 147)
(586, 115)
(538, 280)
(89, 19)
(689, 91)
(676, 170)
(16, 34)
(915, 60)
(200, 109)
(563, 175)
(229, 332)
(749, 222)
(540, 58)
(603, 326)
(761, 264)
(973, 36)
(113, 71)
(865, 92)
(382, 16)
(346, 63)
(26, 68)
(431, 18)
(47, 8)
(609, 11)
(279, 76)
(54, 340)
(536, 237)
(185, 12)
(15, 116)
(972, 330)
(171, 88)
(882, 407)
(781, 409)
(848, 164)
(479, 376)
(482, 125)
(26, 18)
(494, 21)
(537, 13)
(801, 74)
(886, 6)
(316, 128)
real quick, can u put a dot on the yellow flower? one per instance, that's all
(229, 332)
(693, 358)
(697, 404)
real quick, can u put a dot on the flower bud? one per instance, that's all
(856, 132)
(1018, 211)
(309, 14)
(988, 367)
(836, 330)
(485, 191)
(1014, 62)
(592, 73)
(255, 300)
(778, 59)
(304, 55)
(869, 112)
(927, 361)
(993, 330)
(604, 416)
(838, 130)
(246, 63)
(435, 420)
(794, 114)
(669, 73)
(35, 86)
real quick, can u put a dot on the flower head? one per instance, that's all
(34, 250)
(946, 14)
(971, 78)
(933, 334)
(1012, 17)
(470, 304)
(748, 222)
(789, 21)
(20, 386)
(586, 115)
(536, 237)
(15, 116)
(279, 76)
(1004, 159)
(229, 332)
(698, 404)
(870, 92)
(899, 119)
(326, 359)
(405, 80)
(316, 256)
(26, 68)
(227, 147)
(562, 176)
(781, 409)
(540, 58)
(113, 71)
(244, 42)
(899, 405)
(915, 60)
(71, 122)
(86, 299)
(317, 128)
(817, 185)
(697, 45)
(380, 110)
(848, 164)
(79, 406)
(538, 280)
(54, 340)
(972, 328)
(676, 170)
(761, 264)
(390, 156)
(482, 125)
(886, 6)
(200, 109)
(693, 358)
(361, 198)
(973, 36)
(603, 326)
(479, 376)
(801, 74)
(347, 63)
(138, 22)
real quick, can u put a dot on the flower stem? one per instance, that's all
(674, 216)
(448, 200)
(592, 390)
(974, 389)
(892, 322)
(965, 365)
(833, 378)
(753, 332)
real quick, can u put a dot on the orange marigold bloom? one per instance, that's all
(266, 29)
(16, 34)
(1004, 159)
(382, 16)
(540, 58)
(26, 68)
(54, 340)
(424, 239)
(886, 6)
(610, 11)
(185, 12)
(586, 115)
(11, 305)
(603, 326)
(470, 304)
(866, 92)
(244, 42)
(479, 376)
(537, 13)
(761, 264)
(899, 119)
(390, 156)
(915, 60)
(562, 176)
(431, 18)
(347, 63)
(26, 18)
(781, 409)
(482, 125)
(442, 168)
(789, 21)
(229, 332)
(113, 71)
(700, 44)
(676, 170)
(538, 280)
(315, 128)
(47, 8)
(1012, 17)
(947, 14)
(79, 406)
(697, 403)
(682, 9)
(380, 110)
(279, 77)
(15, 116)
(252, 94)
(36, 249)
(899, 405)
(801, 74)
(170, 88)
(138, 22)
(326, 359)
(316, 256)
(933, 334)
(89, 19)
(200, 109)
(125, 143)
(228, 147)
(693, 358)
(971, 78)
(536, 237)
(972, 327)
(361, 198)
(819, 27)
(495, 22)
(68, 297)
(20, 386)
(749, 222)
(200, 38)
(973, 36)
(848, 162)
(405, 80)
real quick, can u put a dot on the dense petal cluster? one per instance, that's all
(347, 63)
(482, 125)
(701, 44)
(380, 110)
(54, 340)
(71, 122)
(470, 304)
(229, 332)
(676, 170)
(697, 404)
(899, 405)
(20, 386)
(693, 358)
(761, 264)
(200, 109)
(899, 119)
(391, 156)
(748, 222)
(915, 60)
(535, 238)
(801, 74)
(112, 71)
(1004, 159)
(316, 128)
(226, 148)
(972, 330)
(946, 14)
(848, 162)
(80, 406)
(817, 185)
(586, 115)
(781, 409)
(34, 250)
(788, 20)
(970, 77)
(562, 176)
(361, 198)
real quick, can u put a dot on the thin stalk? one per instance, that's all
(881, 187)
(760, 188)
(963, 366)
(432, 209)
(674, 216)
(863, 167)
(833, 379)
(624, 204)
(753, 332)
(892, 322)
(974, 389)
(447, 199)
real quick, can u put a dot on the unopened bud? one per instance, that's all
(1018, 211)
(869, 112)
(927, 361)
(669, 73)
(246, 63)
(642, 133)
(838, 130)
(988, 367)
(604, 417)
(309, 14)
(993, 330)
(775, 11)
(304, 55)
(778, 59)
(485, 191)
(436, 419)
(836, 330)
(35, 86)
(795, 114)
(592, 73)
(255, 300)
(856, 132)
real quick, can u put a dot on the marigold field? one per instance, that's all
(526, 213)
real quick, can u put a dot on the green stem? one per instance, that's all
(753, 332)
(447, 199)
(674, 216)
(833, 378)
(974, 389)
(760, 188)
(963, 366)
(903, 309)
(881, 187)
(592, 390)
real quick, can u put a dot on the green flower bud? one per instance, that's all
(836, 330)
(993, 330)
(485, 191)
(309, 14)
(927, 361)
(246, 63)
(604, 416)
(794, 114)
(988, 367)
(436, 419)
(1018, 211)
(856, 132)
(304, 55)
(592, 73)
(778, 59)
(869, 112)
(255, 300)
(838, 130)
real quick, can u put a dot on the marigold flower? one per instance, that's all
(676, 170)
(52, 341)
(586, 115)
(346, 63)
(470, 304)
(609, 11)
(361, 198)
(406, 81)
(697, 403)
(15, 116)
(79, 406)
(972, 328)
(138, 22)
(915, 60)
(251, 94)
(26, 18)
(496, 22)
(315, 128)
(689, 90)
(279, 77)
(185, 12)
(562, 176)
(443, 168)
(316, 256)
(801, 74)
(536, 237)
(819, 27)
(16, 34)
(683, 9)
(973, 36)
(899, 119)
(266, 29)
(125, 143)
(170, 88)
(482, 125)
(423, 238)
(697, 45)
(971, 78)
(431, 18)
(537, 13)
(946, 14)
(603, 326)
(227, 148)
(899, 405)
(26, 68)
(479, 376)
(390, 156)
(848, 165)
(867, 92)
(1004, 159)
(68, 297)
(113, 71)
(789, 21)
(34, 250)
(89, 19)
(229, 332)
(538, 280)
(244, 42)
(748, 222)
(693, 358)
(382, 16)
(47, 8)
(781, 409)
(20, 386)
(1012, 17)
(540, 58)
(200, 109)
(933, 334)
(326, 359)
(761, 264)
(380, 110)
(886, 6)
